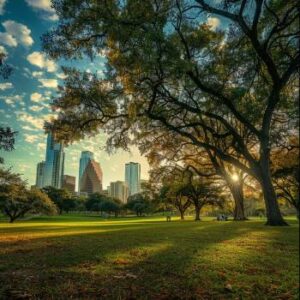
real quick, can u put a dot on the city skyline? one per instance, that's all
(26, 96)
(50, 172)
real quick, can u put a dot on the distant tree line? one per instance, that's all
(168, 190)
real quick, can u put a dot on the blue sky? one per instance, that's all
(25, 96)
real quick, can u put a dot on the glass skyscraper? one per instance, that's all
(39, 182)
(133, 177)
(91, 180)
(54, 163)
(85, 157)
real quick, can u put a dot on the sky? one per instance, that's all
(25, 96)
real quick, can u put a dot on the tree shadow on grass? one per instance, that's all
(164, 261)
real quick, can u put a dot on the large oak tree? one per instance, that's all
(168, 68)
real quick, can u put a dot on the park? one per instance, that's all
(200, 96)
(88, 257)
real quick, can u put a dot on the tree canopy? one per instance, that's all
(169, 70)
(16, 200)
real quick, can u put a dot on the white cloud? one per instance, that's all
(26, 127)
(9, 101)
(36, 108)
(49, 83)
(39, 59)
(27, 73)
(33, 121)
(8, 40)
(35, 97)
(213, 22)
(61, 76)
(16, 33)
(2, 3)
(37, 74)
(2, 49)
(30, 138)
(45, 7)
(5, 86)
(37, 123)
(53, 17)
(41, 146)
(13, 100)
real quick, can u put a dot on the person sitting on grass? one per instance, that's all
(222, 217)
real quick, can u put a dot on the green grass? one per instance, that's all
(84, 257)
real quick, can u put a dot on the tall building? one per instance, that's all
(85, 157)
(40, 169)
(69, 183)
(91, 181)
(119, 190)
(133, 177)
(54, 163)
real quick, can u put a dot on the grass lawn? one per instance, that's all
(83, 257)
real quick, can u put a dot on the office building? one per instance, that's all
(133, 177)
(91, 180)
(40, 169)
(119, 190)
(54, 163)
(85, 157)
(69, 183)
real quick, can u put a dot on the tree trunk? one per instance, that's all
(197, 212)
(274, 216)
(11, 220)
(181, 214)
(236, 189)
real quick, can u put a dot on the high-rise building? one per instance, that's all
(119, 190)
(85, 157)
(133, 177)
(69, 183)
(91, 181)
(40, 169)
(54, 163)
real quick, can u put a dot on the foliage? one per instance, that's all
(79, 203)
(138, 203)
(16, 200)
(94, 201)
(169, 71)
(7, 139)
(61, 197)
(110, 206)
(5, 69)
(285, 170)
